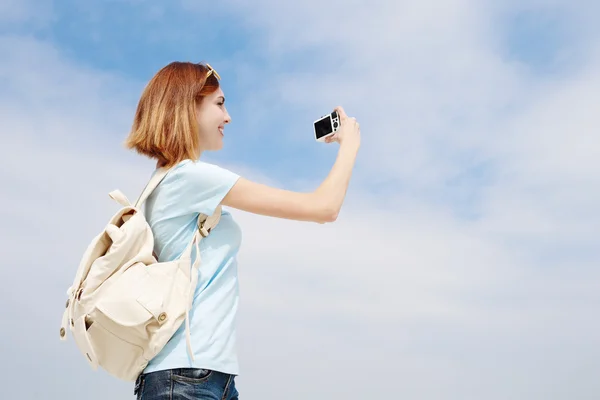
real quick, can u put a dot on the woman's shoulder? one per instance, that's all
(201, 181)
(197, 167)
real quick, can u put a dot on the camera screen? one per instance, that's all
(323, 127)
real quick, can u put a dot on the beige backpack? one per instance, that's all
(124, 305)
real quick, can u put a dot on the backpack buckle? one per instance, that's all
(203, 231)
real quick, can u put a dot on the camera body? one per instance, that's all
(326, 126)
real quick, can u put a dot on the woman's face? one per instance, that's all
(212, 116)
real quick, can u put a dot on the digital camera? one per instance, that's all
(326, 126)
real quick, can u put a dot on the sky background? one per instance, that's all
(465, 262)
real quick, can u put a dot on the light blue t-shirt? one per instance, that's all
(172, 210)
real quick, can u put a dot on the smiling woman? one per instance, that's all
(180, 115)
(171, 109)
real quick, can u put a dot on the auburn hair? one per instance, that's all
(165, 126)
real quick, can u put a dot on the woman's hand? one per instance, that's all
(349, 132)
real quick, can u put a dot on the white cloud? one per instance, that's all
(438, 93)
(402, 297)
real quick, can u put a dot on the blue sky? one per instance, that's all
(134, 39)
(464, 264)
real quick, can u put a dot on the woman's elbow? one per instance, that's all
(327, 215)
(322, 210)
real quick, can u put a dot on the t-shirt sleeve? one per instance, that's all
(202, 186)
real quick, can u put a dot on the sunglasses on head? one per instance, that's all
(211, 70)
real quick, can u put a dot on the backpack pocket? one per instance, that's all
(119, 310)
(117, 356)
(136, 315)
(118, 325)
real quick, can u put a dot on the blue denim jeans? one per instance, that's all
(186, 383)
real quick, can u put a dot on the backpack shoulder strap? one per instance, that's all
(205, 222)
(205, 225)
(154, 181)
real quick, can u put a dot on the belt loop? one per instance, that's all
(227, 385)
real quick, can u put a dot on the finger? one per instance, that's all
(341, 112)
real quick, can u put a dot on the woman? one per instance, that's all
(180, 115)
